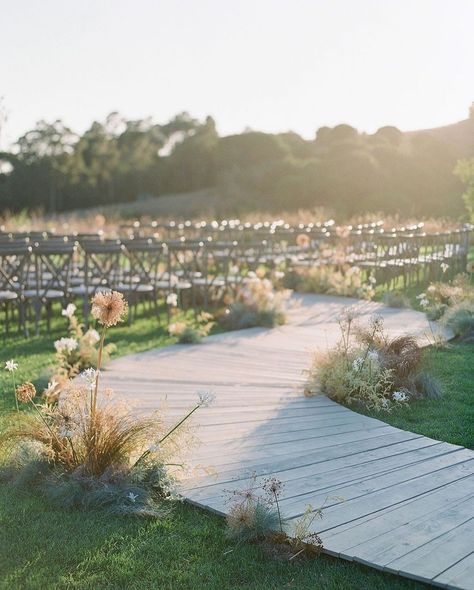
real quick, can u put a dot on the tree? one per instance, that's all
(464, 170)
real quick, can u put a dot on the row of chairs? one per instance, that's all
(39, 269)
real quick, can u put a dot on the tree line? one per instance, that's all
(54, 169)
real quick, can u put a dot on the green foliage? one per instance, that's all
(464, 170)
(119, 160)
(460, 318)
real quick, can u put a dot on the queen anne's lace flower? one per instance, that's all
(65, 345)
(172, 299)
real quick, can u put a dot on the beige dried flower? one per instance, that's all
(109, 308)
(241, 517)
(25, 392)
(303, 240)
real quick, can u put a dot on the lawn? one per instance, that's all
(45, 547)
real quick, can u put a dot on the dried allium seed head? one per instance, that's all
(109, 308)
(241, 517)
(25, 392)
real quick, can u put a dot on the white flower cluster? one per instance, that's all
(400, 396)
(172, 300)
(423, 300)
(69, 311)
(65, 345)
(90, 375)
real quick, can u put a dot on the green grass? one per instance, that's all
(450, 418)
(44, 547)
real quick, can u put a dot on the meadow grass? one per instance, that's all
(43, 546)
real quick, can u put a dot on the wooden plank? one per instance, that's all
(343, 540)
(432, 558)
(325, 476)
(460, 575)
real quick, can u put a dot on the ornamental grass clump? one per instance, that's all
(255, 516)
(344, 280)
(368, 368)
(256, 303)
(192, 331)
(89, 450)
(451, 303)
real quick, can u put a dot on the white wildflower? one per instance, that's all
(69, 311)
(399, 396)
(279, 274)
(372, 280)
(11, 366)
(421, 296)
(132, 497)
(205, 398)
(424, 302)
(154, 447)
(65, 433)
(444, 267)
(431, 289)
(65, 344)
(172, 299)
(358, 363)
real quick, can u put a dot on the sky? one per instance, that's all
(270, 65)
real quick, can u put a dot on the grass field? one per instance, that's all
(43, 547)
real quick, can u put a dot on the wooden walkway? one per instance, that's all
(398, 501)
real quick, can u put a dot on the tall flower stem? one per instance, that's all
(278, 510)
(14, 392)
(169, 433)
(99, 365)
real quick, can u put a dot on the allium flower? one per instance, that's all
(90, 375)
(25, 392)
(109, 308)
(444, 267)
(92, 336)
(11, 366)
(241, 517)
(303, 240)
(399, 396)
(205, 398)
(272, 485)
(424, 302)
(65, 433)
(154, 447)
(69, 311)
(65, 345)
(172, 299)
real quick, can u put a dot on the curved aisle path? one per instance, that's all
(395, 500)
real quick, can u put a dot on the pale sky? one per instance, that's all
(272, 65)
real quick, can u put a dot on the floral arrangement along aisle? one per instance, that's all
(86, 449)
